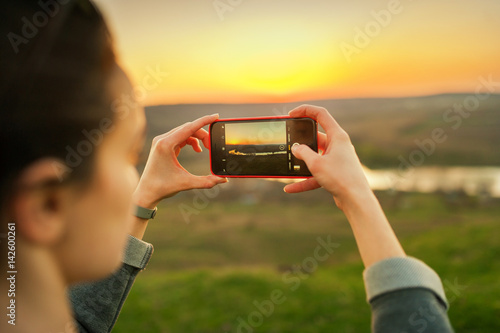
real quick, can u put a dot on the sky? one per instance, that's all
(267, 51)
(266, 133)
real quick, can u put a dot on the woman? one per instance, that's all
(69, 187)
(68, 177)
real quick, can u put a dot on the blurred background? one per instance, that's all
(416, 84)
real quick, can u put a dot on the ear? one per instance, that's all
(40, 211)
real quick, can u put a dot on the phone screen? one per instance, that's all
(260, 147)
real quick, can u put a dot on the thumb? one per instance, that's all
(206, 182)
(305, 153)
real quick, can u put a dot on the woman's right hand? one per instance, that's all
(164, 176)
(338, 169)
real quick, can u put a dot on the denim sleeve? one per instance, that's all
(96, 305)
(406, 296)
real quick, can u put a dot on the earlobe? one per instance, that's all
(39, 211)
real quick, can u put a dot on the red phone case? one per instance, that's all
(251, 118)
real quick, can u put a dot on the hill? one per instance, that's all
(382, 129)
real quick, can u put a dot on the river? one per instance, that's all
(471, 180)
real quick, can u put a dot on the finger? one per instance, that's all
(322, 141)
(202, 134)
(206, 141)
(183, 132)
(306, 154)
(192, 129)
(206, 182)
(321, 115)
(306, 185)
(195, 143)
(163, 135)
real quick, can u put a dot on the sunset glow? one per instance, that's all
(263, 133)
(284, 51)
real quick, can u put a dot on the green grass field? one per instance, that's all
(215, 272)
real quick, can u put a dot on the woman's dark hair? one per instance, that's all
(55, 65)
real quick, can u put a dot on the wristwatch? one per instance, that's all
(145, 213)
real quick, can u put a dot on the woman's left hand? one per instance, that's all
(163, 175)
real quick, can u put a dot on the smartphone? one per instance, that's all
(260, 147)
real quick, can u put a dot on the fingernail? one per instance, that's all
(215, 115)
(284, 190)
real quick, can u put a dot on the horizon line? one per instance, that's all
(324, 99)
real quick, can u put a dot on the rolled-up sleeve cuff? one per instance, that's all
(396, 273)
(137, 253)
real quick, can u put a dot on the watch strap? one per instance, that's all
(145, 213)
